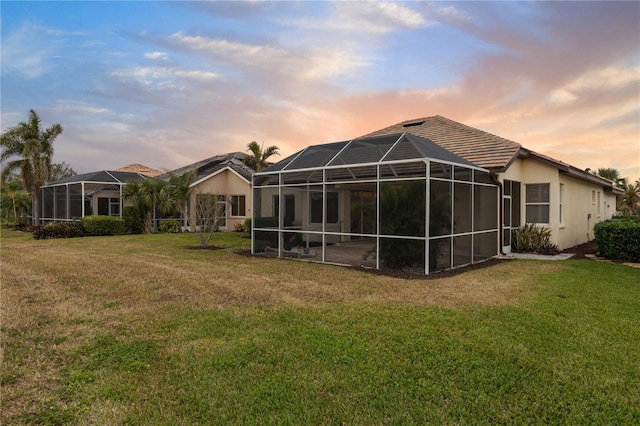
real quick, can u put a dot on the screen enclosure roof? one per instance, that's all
(103, 176)
(370, 150)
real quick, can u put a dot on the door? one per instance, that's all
(506, 223)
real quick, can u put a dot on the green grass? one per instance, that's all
(204, 337)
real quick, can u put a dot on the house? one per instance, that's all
(225, 175)
(535, 188)
(426, 194)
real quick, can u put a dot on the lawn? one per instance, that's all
(143, 329)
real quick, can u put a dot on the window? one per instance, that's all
(537, 203)
(316, 207)
(593, 198)
(561, 218)
(238, 205)
(598, 203)
(108, 206)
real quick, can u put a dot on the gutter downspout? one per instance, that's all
(495, 180)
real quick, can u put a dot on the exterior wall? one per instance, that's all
(583, 204)
(225, 183)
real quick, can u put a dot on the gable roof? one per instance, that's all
(213, 165)
(481, 148)
(484, 149)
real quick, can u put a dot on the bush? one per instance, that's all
(103, 225)
(133, 220)
(618, 239)
(530, 238)
(247, 224)
(23, 226)
(627, 217)
(57, 230)
(169, 226)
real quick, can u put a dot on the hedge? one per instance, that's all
(618, 239)
(103, 225)
(57, 230)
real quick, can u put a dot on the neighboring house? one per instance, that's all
(427, 195)
(85, 194)
(141, 169)
(224, 175)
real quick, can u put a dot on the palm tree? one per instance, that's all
(34, 149)
(631, 198)
(149, 196)
(181, 193)
(612, 175)
(258, 157)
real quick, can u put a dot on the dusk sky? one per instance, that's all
(166, 84)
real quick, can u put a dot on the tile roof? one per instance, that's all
(479, 147)
(140, 168)
(208, 166)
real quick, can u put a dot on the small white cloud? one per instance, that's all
(234, 51)
(450, 13)
(197, 75)
(606, 78)
(78, 108)
(561, 97)
(400, 15)
(156, 55)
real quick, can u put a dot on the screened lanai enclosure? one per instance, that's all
(395, 201)
(85, 194)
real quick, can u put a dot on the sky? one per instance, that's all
(166, 84)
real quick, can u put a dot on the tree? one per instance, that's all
(209, 214)
(631, 199)
(149, 196)
(612, 175)
(181, 193)
(12, 192)
(34, 149)
(15, 203)
(259, 156)
(60, 171)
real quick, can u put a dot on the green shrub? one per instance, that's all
(632, 218)
(530, 238)
(133, 220)
(247, 224)
(103, 225)
(618, 239)
(169, 226)
(58, 230)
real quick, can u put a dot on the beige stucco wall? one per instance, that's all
(226, 183)
(584, 204)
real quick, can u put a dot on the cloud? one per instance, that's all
(359, 19)
(313, 64)
(75, 107)
(156, 55)
(29, 51)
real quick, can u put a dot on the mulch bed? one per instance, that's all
(580, 250)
